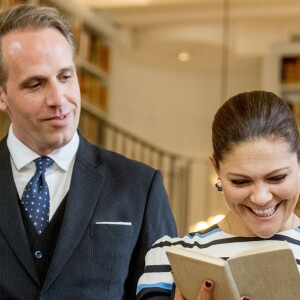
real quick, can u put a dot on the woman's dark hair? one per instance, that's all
(251, 116)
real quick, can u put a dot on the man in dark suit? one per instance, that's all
(88, 241)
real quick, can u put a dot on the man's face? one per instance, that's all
(42, 94)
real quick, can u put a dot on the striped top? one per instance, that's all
(157, 276)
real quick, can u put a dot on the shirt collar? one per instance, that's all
(22, 155)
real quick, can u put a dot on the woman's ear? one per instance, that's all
(214, 163)
(3, 98)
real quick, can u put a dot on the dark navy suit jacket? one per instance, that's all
(95, 256)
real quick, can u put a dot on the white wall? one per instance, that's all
(172, 104)
(169, 106)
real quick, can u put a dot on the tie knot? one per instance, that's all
(43, 163)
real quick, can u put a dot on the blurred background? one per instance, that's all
(154, 72)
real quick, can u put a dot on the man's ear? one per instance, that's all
(3, 98)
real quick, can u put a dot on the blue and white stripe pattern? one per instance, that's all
(157, 277)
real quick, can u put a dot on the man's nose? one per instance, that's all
(55, 95)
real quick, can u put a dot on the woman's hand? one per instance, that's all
(205, 293)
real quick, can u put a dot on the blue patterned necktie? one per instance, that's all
(35, 198)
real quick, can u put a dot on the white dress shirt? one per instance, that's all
(58, 176)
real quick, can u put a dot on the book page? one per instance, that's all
(190, 272)
(271, 275)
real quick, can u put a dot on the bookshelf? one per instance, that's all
(281, 75)
(7, 3)
(92, 37)
(4, 119)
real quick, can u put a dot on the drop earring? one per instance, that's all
(218, 185)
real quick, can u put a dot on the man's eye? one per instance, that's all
(65, 77)
(34, 86)
(278, 178)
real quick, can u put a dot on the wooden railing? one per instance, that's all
(175, 168)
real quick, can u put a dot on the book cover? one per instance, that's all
(262, 273)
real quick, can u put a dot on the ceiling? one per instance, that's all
(140, 13)
(247, 27)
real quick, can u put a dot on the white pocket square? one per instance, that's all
(114, 223)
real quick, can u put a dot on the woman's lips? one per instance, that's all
(264, 212)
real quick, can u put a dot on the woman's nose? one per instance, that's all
(261, 195)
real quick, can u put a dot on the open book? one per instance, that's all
(265, 273)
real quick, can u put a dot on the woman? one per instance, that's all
(256, 154)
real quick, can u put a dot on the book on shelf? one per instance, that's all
(93, 90)
(93, 49)
(267, 272)
(85, 41)
(4, 124)
(88, 125)
(290, 69)
(4, 4)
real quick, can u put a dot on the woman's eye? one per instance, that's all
(277, 178)
(239, 182)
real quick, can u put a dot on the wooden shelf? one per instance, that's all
(290, 87)
(281, 73)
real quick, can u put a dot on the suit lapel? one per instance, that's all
(86, 185)
(11, 223)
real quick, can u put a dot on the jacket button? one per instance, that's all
(38, 254)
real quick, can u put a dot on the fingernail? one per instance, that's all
(208, 285)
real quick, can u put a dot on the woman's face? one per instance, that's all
(260, 181)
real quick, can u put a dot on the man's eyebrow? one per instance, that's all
(67, 69)
(27, 80)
